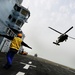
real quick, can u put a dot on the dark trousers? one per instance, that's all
(10, 56)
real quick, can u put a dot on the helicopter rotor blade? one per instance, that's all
(71, 37)
(55, 30)
(68, 30)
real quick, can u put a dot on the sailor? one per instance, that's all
(16, 42)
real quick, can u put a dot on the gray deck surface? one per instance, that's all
(37, 66)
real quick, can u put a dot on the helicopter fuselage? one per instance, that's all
(62, 38)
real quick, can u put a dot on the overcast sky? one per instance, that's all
(59, 14)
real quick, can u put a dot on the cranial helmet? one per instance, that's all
(19, 34)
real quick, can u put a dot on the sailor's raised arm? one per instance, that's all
(24, 44)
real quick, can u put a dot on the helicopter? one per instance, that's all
(63, 37)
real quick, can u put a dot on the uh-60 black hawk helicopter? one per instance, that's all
(62, 37)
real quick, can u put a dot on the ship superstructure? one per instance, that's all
(12, 17)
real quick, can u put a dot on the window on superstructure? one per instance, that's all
(17, 8)
(25, 13)
(13, 20)
(9, 32)
(10, 16)
(19, 22)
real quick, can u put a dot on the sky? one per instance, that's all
(58, 14)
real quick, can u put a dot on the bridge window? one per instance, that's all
(13, 20)
(19, 22)
(25, 13)
(17, 8)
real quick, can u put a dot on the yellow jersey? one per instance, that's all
(16, 43)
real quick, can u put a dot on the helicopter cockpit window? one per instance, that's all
(17, 8)
(25, 13)
(19, 22)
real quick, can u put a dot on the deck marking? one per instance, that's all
(25, 67)
(20, 73)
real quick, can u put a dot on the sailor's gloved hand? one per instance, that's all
(30, 47)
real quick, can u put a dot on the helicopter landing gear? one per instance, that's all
(56, 43)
